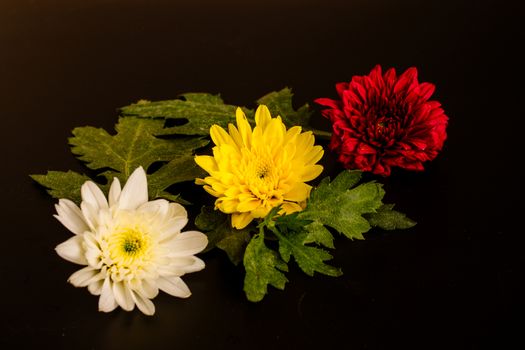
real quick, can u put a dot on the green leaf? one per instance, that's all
(135, 145)
(209, 219)
(317, 233)
(290, 231)
(263, 267)
(173, 198)
(200, 110)
(280, 103)
(338, 205)
(289, 222)
(222, 235)
(197, 112)
(389, 219)
(309, 259)
(61, 184)
(235, 244)
(344, 181)
(180, 169)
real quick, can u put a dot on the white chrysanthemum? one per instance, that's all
(132, 247)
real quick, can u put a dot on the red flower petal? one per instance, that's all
(382, 120)
(328, 102)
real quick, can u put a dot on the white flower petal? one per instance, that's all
(101, 225)
(177, 210)
(135, 192)
(93, 195)
(159, 207)
(104, 218)
(84, 277)
(70, 216)
(174, 286)
(122, 295)
(191, 264)
(144, 304)
(95, 288)
(71, 250)
(181, 266)
(149, 289)
(90, 215)
(170, 270)
(92, 250)
(107, 302)
(177, 219)
(145, 287)
(173, 226)
(187, 243)
(114, 192)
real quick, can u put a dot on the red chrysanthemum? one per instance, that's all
(383, 121)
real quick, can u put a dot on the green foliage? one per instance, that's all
(201, 111)
(340, 205)
(197, 112)
(263, 267)
(319, 234)
(290, 230)
(137, 141)
(221, 234)
(134, 145)
(389, 219)
(118, 155)
(280, 103)
(62, 184)
(310, 259)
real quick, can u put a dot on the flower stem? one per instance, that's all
(320, 134)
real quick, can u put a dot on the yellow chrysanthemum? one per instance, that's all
(253, 171)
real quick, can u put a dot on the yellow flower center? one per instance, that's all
(262, 178)
(129, 246)
(262, 172)
(132, 245)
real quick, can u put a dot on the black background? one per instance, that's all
(452, 282)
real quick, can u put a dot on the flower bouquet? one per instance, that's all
(257, 164)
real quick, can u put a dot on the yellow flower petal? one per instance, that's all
(249, 205)
(273, 134)
(245, 130)
(314, 155)
(220, 136)
(253, 171)
(290, 207)
(211, 191)
(207, 163)
(305, 140)
(236, 136)
(261, 211)
(311, 172)
(219, 187)
(262, 117)
(227, 205)
(298, 193)
(241, 220)
(292, 134)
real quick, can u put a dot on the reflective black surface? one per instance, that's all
(452, 282)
